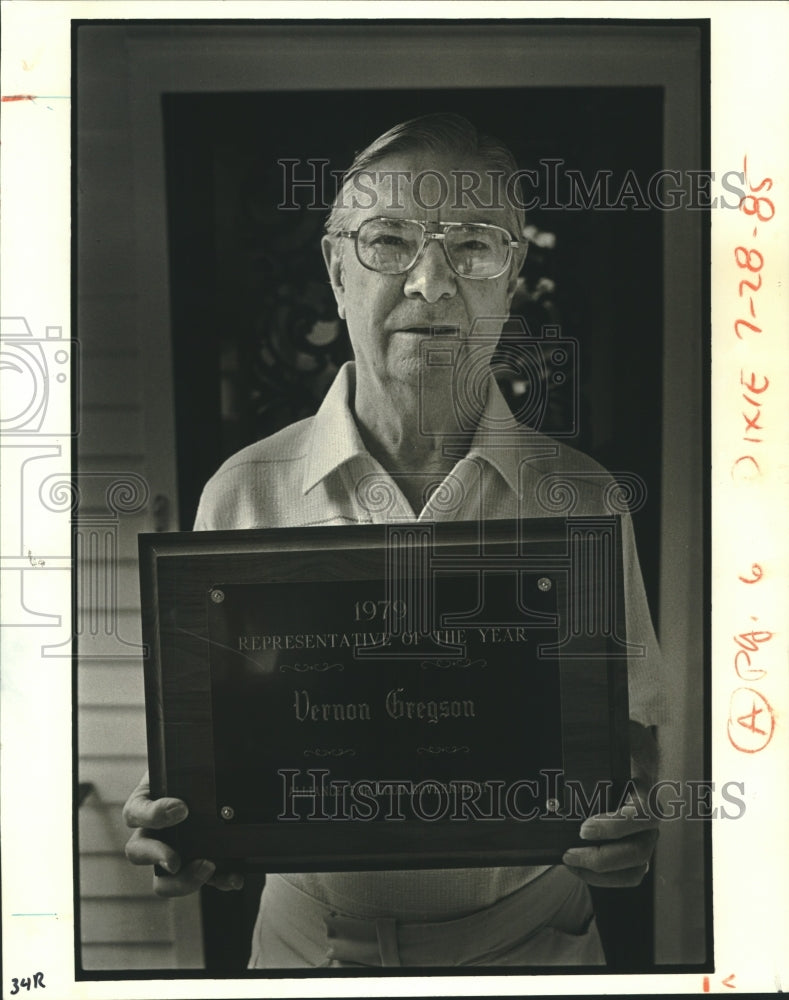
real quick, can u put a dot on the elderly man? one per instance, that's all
(422, 241)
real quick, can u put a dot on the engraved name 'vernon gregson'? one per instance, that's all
(396, 704)
(323, 711)
(399, 707)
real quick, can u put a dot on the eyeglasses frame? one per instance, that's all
(511, 244)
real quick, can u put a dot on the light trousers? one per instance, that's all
(547, 922)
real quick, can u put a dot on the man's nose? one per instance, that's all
(431, 278)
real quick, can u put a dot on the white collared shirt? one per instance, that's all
(318, 472)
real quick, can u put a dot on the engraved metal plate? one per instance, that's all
(384, 695)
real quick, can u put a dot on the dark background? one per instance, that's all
(256, 340)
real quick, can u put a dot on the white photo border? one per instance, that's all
(750, 84)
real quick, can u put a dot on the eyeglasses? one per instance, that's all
(472, 249)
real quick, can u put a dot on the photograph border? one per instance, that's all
(749, 565)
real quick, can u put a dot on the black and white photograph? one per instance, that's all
(390, 494)
(303, 391)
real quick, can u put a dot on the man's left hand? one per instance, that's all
(620, 848)
(621, 843)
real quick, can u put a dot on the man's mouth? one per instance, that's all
(434, 329)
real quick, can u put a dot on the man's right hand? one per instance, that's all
(145, 815)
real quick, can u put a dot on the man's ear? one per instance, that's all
(333, 260)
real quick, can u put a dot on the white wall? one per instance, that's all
(124, 926)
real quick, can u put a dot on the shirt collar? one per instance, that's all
(498, 437)
(336, 438)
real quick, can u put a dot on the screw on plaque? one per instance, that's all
(227, 812)
(552, 805)
(544, 583)
(217, 596)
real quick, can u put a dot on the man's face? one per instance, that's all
(390, 315)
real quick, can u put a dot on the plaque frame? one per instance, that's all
(179, 569)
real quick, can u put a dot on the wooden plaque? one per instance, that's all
(397, 695)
